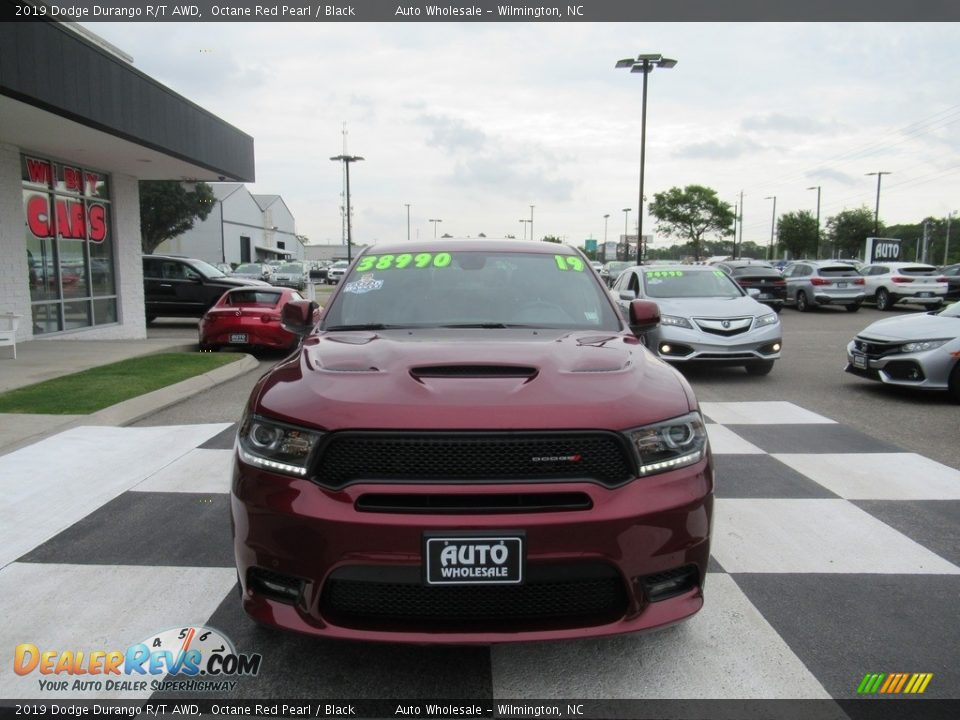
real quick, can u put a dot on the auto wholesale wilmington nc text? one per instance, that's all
(533, 13)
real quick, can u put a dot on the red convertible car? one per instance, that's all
(248, 317)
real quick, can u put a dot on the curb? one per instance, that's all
(129, 411)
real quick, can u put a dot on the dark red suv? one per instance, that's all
(472, 447)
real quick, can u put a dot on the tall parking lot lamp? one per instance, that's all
(816, 253)
(876, 213)
(644, 64)
(626, 241)
(435, 221)
(773, 225)
(346, 160)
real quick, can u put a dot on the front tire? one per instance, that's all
(953, 385)
(802, 303)
(759, 367)
(883, 300)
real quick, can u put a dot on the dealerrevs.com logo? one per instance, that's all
(193, 658)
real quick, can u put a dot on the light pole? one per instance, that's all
(773, 225)
(603, 254)
(435, 221)
(816, 253)
(876, 213)
(626, 236)
(408, 221)
(531, 221)
(946, 247)
(346, 160)
(525, 223)
(733, 255)
(644, 64)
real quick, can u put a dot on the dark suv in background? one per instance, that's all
(183, 287)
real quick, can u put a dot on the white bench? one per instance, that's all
(8, 331)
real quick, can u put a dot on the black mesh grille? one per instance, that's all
(594, 596)
(876, 348)
(469, 504)
(513, 371)
(473, 457)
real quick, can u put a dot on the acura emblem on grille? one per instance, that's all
(726, 324)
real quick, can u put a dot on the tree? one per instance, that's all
(797, 233)
(168, 209)
(848, 231)
(690, 213)
(552, 239)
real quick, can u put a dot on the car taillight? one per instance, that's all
(858, 281)
(266, 317)
(779, 282)
(819, 281)
(942, 279)
(901, 280)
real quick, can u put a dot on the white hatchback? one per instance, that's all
(887, 284)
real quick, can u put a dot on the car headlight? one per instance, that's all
(276, 446)
(670, 444)
(765, 320)
(675, 321)
(921, 345)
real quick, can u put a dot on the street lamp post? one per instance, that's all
(816, 253)
(946, 247)
(644, 64)
(435, 221)
(626, 236)
(773, 225)
(408, 221)
(531, 221)
(346, 160)
(603, 254)
(876, 213)
(525, 223)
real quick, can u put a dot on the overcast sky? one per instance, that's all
(472, 123)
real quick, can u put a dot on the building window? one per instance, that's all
(70, 251)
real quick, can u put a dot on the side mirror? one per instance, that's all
(644, 316)
(628, 295)
(299, 316)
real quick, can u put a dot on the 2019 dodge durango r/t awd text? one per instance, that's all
(471, 446)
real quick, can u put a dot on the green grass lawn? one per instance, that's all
(91, 390)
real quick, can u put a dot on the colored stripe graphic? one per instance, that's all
(894, 683)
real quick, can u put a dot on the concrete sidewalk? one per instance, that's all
(39, 360)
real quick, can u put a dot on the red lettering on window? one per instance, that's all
(39, 171)
(97, 214)
(38, 216)
(71, 223)
(92, 180)
(73, 179)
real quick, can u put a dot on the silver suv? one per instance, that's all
(811, 283)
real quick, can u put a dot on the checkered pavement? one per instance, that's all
(834, 555)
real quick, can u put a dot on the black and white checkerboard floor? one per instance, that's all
(834, 555)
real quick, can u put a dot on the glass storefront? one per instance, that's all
(70, 251)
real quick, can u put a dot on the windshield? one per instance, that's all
(264, 298)
(472, 289)
(689, 283)
(291, 268)
(206, 269)
(248, 268)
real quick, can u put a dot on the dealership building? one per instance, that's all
(79, 128)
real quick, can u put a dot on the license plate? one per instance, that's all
(765, 296)
(860, 361)
(841, 284)
(238, 337)
(925, 294)
(474, 560)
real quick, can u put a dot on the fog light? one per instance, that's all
(665, 348)
(670, 583)
(776, 347)
(274, 585)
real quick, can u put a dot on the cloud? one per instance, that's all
(719, 149)
(452, 134)
(835, 175)
(505, 176)
(779, 123)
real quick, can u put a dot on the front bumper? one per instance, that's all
(927, 370)
(686, 345)
(630, 535)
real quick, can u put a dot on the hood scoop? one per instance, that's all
(473, 371)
